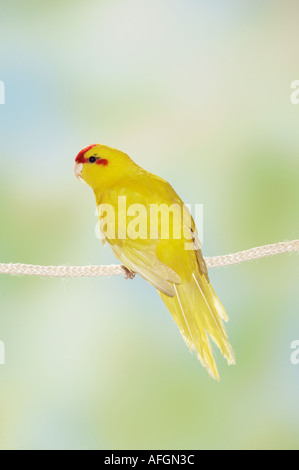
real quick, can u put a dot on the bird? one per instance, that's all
(171, 262)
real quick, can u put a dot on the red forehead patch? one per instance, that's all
(80, 157)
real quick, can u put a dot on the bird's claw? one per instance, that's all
(128, 273)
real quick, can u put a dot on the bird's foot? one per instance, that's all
(128, 273)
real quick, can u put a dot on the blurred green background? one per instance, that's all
(197, 92)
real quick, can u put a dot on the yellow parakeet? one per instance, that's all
(162, 257)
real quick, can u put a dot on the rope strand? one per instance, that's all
(117, 270)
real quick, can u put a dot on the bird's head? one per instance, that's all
(100, 166)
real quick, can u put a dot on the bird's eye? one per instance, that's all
(92, 159)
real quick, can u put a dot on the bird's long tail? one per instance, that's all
(199, 315)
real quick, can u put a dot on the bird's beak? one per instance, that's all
(78, 170)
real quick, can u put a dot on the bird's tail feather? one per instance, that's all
(199, 315)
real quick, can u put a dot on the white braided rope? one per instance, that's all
(253, 253)
(116, 270)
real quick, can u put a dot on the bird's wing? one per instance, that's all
(180, 276)
(144, 261)
(138, 255)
